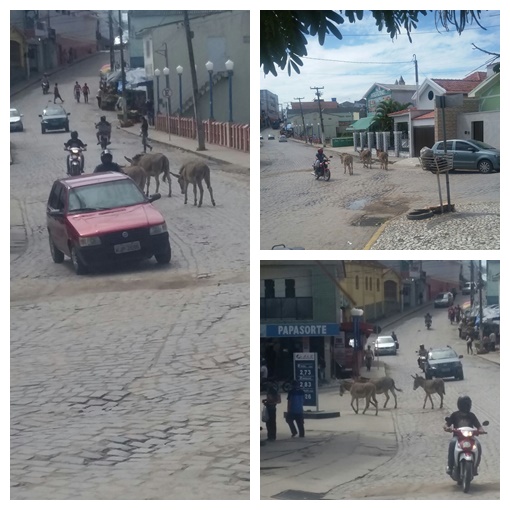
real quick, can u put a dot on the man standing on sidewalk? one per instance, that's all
(56, 94)
(295, 411)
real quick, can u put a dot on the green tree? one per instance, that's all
(384, 108)
(283, 34)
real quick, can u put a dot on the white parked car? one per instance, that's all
(385, 345)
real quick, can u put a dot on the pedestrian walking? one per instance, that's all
(271, 401)
(492, 341)
(144, 133)
(85, 89)
(149, 106)
(56, 94)
(369, 356)
(295, 411)
(469, 344)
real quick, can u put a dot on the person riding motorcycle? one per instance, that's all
(107, 164)
(45, 83)
(462, 418)
(422, 352)
(74, 141)
(428, 318)
(320, 158)
(103, 128)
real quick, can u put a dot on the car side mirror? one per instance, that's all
(68, 113)
(461, 356)
(55, 213)
(21, 115)
(40, 116)
(154, 197)
(485, 423)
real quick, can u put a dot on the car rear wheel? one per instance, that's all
(485, 166)
(78, 265)
(164, 256)
(56, 254)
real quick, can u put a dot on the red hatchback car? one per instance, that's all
(103, 218)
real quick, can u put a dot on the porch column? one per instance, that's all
(386, 140)
(371, 140)
(398, 142)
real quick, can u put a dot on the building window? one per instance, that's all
(269, 288)
(290, 288)
(377, 284)
(357, 282)
(370, 283)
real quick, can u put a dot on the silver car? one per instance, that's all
(16, 122)
(470, 155)
(385, 345)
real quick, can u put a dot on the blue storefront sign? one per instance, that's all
(294, 329)
(305, 373)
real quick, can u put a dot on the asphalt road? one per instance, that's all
(401, 453)
(300, 211)
(121, 381)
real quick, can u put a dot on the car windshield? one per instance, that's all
(105, 195)
(54, 110)
(14, 113)
(441, 355)
(384, 340)
(441, 296)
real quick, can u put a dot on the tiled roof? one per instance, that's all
(461, 86)
(312, 105)
(428, 115)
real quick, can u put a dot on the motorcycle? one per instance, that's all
(422, 359)
(74, 161)
(428, 323)
(45, 85)
(322, 170)
(103, 141)
(465, 455)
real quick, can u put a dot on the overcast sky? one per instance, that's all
(365, 56)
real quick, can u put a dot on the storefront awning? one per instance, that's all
(361, 124)
(364, 327)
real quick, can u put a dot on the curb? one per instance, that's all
(190, 151)
(376, 235)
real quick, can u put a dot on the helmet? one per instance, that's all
(106, 156)
(422, 346)
(74, 135)
(103, 118)
(464, 404)
(320, 151)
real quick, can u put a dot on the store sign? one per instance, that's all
(296, 329)
(305, 373)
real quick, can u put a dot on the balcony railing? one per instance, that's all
(300, 308)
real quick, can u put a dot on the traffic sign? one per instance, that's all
(167, 92)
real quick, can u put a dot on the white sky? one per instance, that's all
(439, 55)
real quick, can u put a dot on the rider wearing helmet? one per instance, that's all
(107, 164)
(462, 418)
(74, 141)
(103, 127)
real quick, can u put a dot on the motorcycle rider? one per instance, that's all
(428, 318)
(320, 158)
(462, 418)
(74, 141)
(422, 352)
(107, 164)
(103, 128)
(45, 83)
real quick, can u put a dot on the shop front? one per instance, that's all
(279, 342)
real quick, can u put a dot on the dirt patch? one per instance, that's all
(392, 207)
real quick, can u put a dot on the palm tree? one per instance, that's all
(384, 108)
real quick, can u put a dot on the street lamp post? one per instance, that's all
(157, 74)
(210, 66)
(230, 70)
(179, 70)
(356, 314)
(166, 72)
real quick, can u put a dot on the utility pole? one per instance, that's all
(320, 113)
(123, 72)
(198, 120)
(480, 288)
(472, 279)
(112, 51)
(416, 76)
(302, 117)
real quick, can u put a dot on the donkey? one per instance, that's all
(360, 390)
(382, 385)
(347, 160)
(365, 156)
(195, 172)
(430, 387)
(383, 158)
(137, 173)
(153, 164)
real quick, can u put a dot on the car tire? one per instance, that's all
(56, 254)
(79, 267)
(165, 256)
(485, 166)
(460, 377)
(67, 128)
(43, 130)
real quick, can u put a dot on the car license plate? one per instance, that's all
(126, 247)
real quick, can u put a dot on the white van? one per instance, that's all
(467, 287)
